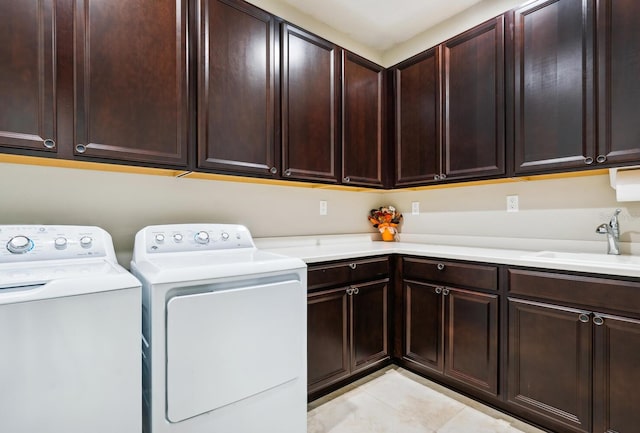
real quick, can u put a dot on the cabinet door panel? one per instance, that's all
(550, 363)
(236, 85)
(616, 375)
(618, 72)
(327, 338)
(131, 80)
(27, 76)
(553, 85)
(310, 68)
(369, 313)
(472, 339)
(362, 121)
(424, 333)
(473, 98)
(417, 118)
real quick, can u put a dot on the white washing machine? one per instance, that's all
(69, 333)
(224, 332)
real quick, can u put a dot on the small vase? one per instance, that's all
(388, 235)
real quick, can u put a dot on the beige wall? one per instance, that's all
(124, 203)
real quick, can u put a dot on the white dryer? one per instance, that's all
(69, 333)
(224, 327)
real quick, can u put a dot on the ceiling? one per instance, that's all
(381, 24)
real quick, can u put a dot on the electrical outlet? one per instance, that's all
(415, 208)
(323, 207)
(512, 203)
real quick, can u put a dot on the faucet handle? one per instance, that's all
(603, 229)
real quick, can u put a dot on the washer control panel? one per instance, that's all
(194, 237)
(24, 243)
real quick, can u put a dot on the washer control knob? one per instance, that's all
(19, 245)
(159, 238)
(86, 241)
(202, 237)
(177, 237)
(60, 243)
(224, 236)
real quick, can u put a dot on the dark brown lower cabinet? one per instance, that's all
(453, 332)
(616, 374)
(550, 363)
(346, 332)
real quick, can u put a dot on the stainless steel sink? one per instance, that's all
(589, 259)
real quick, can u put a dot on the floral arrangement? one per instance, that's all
(386, 219)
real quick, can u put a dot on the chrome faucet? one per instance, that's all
(612, 230)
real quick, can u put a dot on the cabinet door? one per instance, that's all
(618, 72)
(549, 373)
(553, 100)
(417, 119)
(236, 88)
(327, 338)
(369, 316)
(310, 74)
(362, 121)
(473, 102)
(27, 75)
(472, 339)
(616, 374)
(423, 328)
(131, 80)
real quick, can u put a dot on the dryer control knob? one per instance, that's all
(159, 238)
(19, 245)
(202, 237)
(86, 241)
(177, 237)
(224, 236)
(60, 243)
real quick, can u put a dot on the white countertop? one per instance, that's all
(341, 247)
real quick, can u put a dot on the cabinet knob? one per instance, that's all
(49, 143)
(440, 266)
(349, 291)
(601, 158)
(588, 160)
(273, 170)
(346, 179)
(287, 172)
(438, 290)
(436, 177)
(356, 290)
(81, 148)
(353, 265)
(445, 291)
(443, 176)
(584, 318)
(597, 320)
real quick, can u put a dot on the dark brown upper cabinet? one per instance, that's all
(449, 112)
(618, 91)
(130, 81)
(553, 100)
(27, 76)
(473, 135)
(310, 106)
(237, 88)
(363, 121)
(417, 119)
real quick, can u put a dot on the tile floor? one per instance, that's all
(395, 400)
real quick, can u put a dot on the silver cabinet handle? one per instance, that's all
(601, 158)
(81, 148)
(346, 179)
(584, 318)
(49, 143)
(436, 177)
(445, 291)
(273, 170)
(349, 291)
(356, 290)
(438, 290)
(443, 176)
(287, 172)
(353, 265)
(597, 320)
(588, 160)
(440, 266)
